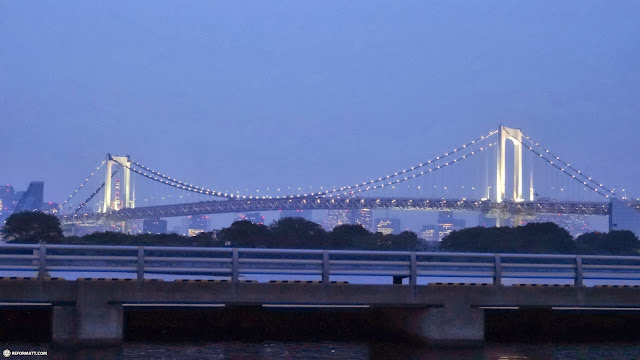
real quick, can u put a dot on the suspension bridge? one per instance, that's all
(427, 185)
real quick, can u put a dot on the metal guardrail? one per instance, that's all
(232, 264)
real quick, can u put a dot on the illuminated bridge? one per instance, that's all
(436, 184)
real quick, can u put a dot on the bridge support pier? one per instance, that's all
(91, 321)
(448, 325)
(88, 324)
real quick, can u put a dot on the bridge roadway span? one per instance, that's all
(90, 310)
(234, 206)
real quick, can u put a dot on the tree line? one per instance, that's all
(540, 238)
(34, 227)
(543, 238)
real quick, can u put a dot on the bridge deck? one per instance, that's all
(426, 204)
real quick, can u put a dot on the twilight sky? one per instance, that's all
(243, 94)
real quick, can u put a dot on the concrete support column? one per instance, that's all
(64, 324)
(453, 325)
(92, 320)
(87, 324)
(450, 325)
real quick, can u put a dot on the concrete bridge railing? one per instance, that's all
(143, 262)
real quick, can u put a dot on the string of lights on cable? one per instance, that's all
(562, 169)
(412, 168)
(579, 173)
(83, 183)
(430, 170)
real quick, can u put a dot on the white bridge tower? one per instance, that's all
(514, 135)
(108, 203)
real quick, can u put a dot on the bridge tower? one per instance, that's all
(514, 135)
(125, 162)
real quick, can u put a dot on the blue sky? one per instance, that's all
(237, 95)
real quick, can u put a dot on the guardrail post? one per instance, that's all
(497, 271)
(42, 262)
(579, 273)
(235, 266)
(325, 267)
(140, 276)
(413, 270)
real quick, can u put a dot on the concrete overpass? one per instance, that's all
(90, 310)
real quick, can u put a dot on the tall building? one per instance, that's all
(336, 217)
(154, 226)
(447, 223)
(31, 200)
(362, 217)
(7, 196)
(388, 226)
(624, 217)
(254, 217)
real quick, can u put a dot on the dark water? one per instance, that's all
(333, 350)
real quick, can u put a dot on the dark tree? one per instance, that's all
(479, 239)
(349, 236)
(405, 241)
(622, 242)
(544, 238)
(531, 238)
(244, 233)
(297, 232)
(32, 227)
(617, 242)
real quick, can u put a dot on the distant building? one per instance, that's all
(197, 224)
(485, 221)
(51, 208)
(335, 218)
(305, 214)
(7, 196)
(429, 233)
(624, 217)
(82, 229)
(576, 225)
(31, 200)
(447, 223)
(154, 226)
(254, 217)
(388, 226)
(134, 226)
(362, 217)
